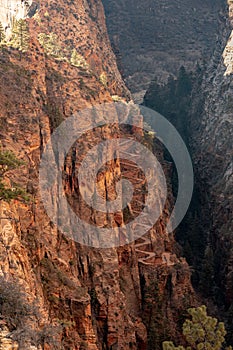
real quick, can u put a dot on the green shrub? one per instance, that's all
(202, 332)
(78, 60)
(51, 45)
(8, 161)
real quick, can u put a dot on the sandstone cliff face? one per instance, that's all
(154, 38)
(95, 299)
(212, 144)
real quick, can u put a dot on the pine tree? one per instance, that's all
(104, 79)
(20, 39)
(51, 45)
(207, 273)
(78, 60)
(202, 332)
(152, 98)
(184, 83)
(2, 33)
(8, 161)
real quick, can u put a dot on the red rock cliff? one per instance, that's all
(86, 298)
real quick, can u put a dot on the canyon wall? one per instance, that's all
(154, 38)
(77, 297)
(200, 106)
(211, 127)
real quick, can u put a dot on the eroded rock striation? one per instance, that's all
(154, 38)
(212, 131)
(84, 297)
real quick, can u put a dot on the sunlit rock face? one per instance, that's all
(11, 10)
(228, 56)
(96, 292)
(228, 52)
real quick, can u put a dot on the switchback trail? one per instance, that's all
(150, 257)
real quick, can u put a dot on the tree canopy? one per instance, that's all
(202, 332)
(20, 37)
(2, 33)
(8, 161)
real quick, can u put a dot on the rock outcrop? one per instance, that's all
(85, 298)
(202, 111)
(212, 131)
(154, 38)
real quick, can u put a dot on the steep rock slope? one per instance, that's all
(154, 38)
(86, 298)
(200, 106)
(212, 130)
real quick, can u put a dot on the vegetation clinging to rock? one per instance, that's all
(201, 332)
(8, 161)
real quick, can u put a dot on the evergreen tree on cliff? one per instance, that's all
(2, 33)
(20, 39)
(78, 60)
(8, 162)
(202, 332)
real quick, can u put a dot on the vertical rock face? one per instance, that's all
(92, 298)
(212, 141)
(154, 38)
